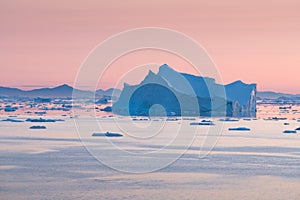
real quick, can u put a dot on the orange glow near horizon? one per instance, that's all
(43, 43)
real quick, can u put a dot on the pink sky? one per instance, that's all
(43, 43)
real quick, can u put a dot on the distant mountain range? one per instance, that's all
(65, 91)
(276, 95)
(62, 91)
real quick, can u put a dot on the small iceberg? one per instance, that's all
(172, 119)
(59, 120)
(290, 131)
(10, 109)
(43, 120)
(40, 113)
(37, 127)
(189, 118)
(276, 118)
(227, 119)
(203, 123)
(239, 129)
(106, 109)
(107, 134)
(11, 120)
(140, 119)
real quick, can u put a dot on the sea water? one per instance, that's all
(58, 163)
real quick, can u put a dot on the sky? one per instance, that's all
(44, 43)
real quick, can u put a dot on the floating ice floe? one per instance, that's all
(37, 127)
(43, 120)
(276, 118)
(140, 119)
(189, 118)
(107, 134)
(229, 120)
(172, 119)
(290, 131)
(10, 109)
(203, 123)
(239, 129)
(11, 120)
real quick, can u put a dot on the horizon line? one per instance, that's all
(35, 87)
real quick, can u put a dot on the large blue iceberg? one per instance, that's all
(171, 93)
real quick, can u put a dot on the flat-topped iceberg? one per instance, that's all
(43, 120)
(290, 131)
(239, 129)
(107, 134)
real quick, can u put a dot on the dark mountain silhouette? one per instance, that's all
(276, 95)
(62, 91)
(7, 91)
(109, 92)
